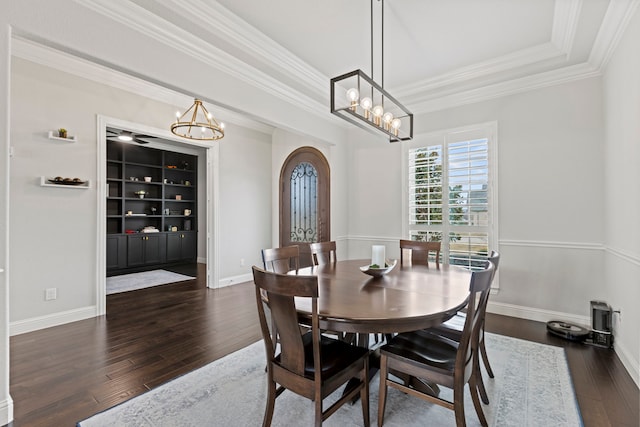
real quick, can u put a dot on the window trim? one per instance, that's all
(487, 130)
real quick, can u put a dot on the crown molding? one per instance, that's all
(565, 22)
(150, 25)
(47, 56)
(511, 87)
(238, 32)
(615, 22)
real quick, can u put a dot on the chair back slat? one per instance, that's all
(419, 252)
(281, 260)
(323, 252)
(479, 288)
(281, 291)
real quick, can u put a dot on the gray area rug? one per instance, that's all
(532, 387)
(146, 279)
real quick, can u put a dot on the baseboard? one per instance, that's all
(41, 322)
(633, 366)
(234, 280)
(201, 260)
(6, 411)
(536, 314)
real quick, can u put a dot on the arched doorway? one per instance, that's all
(305, 214)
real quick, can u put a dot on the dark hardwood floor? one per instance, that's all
(64, 374)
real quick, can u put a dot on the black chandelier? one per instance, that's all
(358, 99)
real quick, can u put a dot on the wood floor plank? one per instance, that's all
(65, 374)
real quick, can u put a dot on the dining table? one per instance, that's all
(407, 298)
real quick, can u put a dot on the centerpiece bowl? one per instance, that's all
(377, 271)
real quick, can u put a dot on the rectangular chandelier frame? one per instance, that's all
(348, 104)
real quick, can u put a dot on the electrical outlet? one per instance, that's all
(241, 262)
(50, 294)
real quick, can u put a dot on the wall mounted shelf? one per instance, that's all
(52, 135)
(44, 182)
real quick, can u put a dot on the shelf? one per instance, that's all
(45, 183)
(52, 135)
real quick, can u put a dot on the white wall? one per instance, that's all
(55, 229)
(6, 404)
(549, 169)
(622, 194)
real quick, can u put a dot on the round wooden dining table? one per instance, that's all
(407, 298)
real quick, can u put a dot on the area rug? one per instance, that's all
(146, 279)
(532, 387)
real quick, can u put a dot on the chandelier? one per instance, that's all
(197, 123)
(358, 99)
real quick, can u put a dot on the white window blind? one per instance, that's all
(449, 195)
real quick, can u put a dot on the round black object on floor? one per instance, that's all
(567, 330)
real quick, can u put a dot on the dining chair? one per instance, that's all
(307, 363)
(323, 252)
(281, 260)
(419, 251)
(438, 359)
(454, 326)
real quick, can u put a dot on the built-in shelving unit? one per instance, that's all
(151, 206)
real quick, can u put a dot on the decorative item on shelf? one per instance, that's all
(187, 183)
(153, 210)
(358, 99)
(172, 167)
(141, 193)
(147, 179)
(187, 225)
(66, 181)
(150, 229)
(174, 228)
(133, 178)
(184, 165)
(62, 133)
(187, 212)
(178, 197)
(166, 211)
(201, 126)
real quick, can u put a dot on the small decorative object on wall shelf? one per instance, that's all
(55, 134)
(61, 182)
(62, 133)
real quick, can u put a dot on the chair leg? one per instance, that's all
(271, 401)
(382, 395)
(485, 358)
(318, 405)
(473, 389)
(480, 381)
(458, 404)
(364, 394)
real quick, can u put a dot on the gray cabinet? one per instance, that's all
(116, 252)
(181, 246)
(146, 248)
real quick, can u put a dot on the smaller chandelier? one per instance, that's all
(198, 124)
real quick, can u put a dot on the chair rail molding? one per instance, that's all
(624, 255)
(553, 244)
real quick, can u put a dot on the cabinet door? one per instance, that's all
(174, 246)
(116, 252)
(155, 248)
(135, 250)
(189, 245)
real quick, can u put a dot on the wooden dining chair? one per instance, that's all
(281, 260)
(454, 326)
(438, 359)
(419, 252)
(323, 252)
(308, 363)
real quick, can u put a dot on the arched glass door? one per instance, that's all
(304, 201)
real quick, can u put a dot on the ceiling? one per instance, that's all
(437, 53)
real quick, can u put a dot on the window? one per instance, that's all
(451, 191)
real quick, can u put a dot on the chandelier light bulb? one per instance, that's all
(366, 104)
(352, 96)
(395, 125)
(386, 118)
(377, 111)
